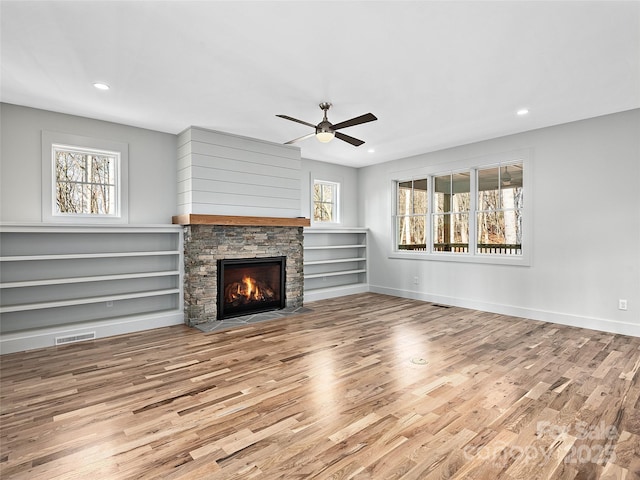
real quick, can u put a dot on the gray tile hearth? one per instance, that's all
(218, 325)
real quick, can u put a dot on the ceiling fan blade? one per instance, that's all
(346, 138)
(287, 117)
(367, 117)
(309, 135)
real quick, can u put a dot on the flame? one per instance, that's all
(251, 290)
(247, 290)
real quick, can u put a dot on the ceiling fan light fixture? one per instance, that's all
(506, 178)
(325, 137)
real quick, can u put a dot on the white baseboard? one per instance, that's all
(332, 292)
(604, 325)
(45, 337)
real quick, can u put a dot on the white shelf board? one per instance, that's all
(73, 256)
(335, 274)
(338, 260)
(94, 278)
(331, 247)
(333, 230)
(87, 300)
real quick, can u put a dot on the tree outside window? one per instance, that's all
(85, 181)
(412, 203)
(476, 212)
(499, 212)
(325, 201)
(451, 199)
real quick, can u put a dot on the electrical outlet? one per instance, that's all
(109, 303)
(622, 304)
(416, 281)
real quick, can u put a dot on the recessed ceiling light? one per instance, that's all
(101, 86)
(522, 112)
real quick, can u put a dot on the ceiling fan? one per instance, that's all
(325, 130)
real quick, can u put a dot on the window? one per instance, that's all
(84, 180)
(499, 212)
(325, 201)
(451, 195)
(412, 205)
(474, 213)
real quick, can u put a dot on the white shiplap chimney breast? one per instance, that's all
(224, 174)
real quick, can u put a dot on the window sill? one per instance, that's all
(519, 260)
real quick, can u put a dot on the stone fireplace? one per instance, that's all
(211, 238)
(254, 188)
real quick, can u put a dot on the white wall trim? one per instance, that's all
(333, 292)
(600, 324)
(30, 339)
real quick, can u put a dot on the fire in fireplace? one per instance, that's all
(250, 285)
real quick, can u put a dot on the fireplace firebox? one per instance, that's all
(250, 285)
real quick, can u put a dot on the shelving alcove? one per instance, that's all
(335, 262)
(64, 283)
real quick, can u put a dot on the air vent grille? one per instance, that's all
(75, 338)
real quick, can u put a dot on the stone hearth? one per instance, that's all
(205, 244)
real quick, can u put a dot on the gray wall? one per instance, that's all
(585, 207)
(152, 167)
(347, 177)
(152, 164)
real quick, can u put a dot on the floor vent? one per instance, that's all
(75, 338)
(441, 306)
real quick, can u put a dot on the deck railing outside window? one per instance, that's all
(503, 249)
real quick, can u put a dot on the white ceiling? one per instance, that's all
(436, 74)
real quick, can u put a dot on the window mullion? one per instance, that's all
(429, 220)
(473, 213)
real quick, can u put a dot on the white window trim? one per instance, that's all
(471, 164)
(51, 139)
(338, 204)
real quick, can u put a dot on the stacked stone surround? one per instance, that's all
(204, 245)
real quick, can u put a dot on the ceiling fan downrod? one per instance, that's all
(324, 130)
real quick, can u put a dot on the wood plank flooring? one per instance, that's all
(363, 387)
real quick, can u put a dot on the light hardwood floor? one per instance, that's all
(365, 387)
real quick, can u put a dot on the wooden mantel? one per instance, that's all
(197, 219)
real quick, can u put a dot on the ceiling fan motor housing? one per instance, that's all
(324, 126)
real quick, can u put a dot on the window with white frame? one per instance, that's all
(84, 179)
(412, 201)
(451, 198)
(476, 212)
(325, 201)
(499, 209)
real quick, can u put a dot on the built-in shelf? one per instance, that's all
(339, 260)
(86, 300)
(334, 247)
(335, 274)
(65, 279)
(96, 278)
(335, 262)
(73, 256)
